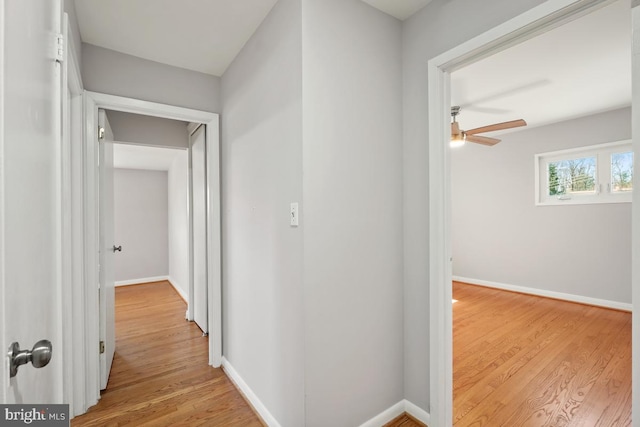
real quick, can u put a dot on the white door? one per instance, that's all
(107, 251)
(199, 228)
(30, 219)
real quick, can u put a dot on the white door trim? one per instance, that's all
(635, 213)
(93, 101)
(535, 21)
(72, 250)
(3, 371)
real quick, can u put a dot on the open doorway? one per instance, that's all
(521, 350)
(512, 32)
(93, 103)
(151, 203)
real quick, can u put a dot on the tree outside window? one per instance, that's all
(572, 176)
(622, 172)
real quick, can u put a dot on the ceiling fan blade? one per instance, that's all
(484, 140)
(455, 128)
(497, 126)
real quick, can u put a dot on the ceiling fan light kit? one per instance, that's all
(458, 140)
(459, 136)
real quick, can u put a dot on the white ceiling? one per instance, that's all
(578, 69)
(199, 35)
(401, 9)
(126, 156)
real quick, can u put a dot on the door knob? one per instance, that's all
(39, 356)
(117, 248)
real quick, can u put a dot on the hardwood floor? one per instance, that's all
(160, 375)
(404, 420)
(521, 360)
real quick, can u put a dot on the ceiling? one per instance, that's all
(199, 35)
(581, 68)
(126, 156)
(401, 9)
(578, 69)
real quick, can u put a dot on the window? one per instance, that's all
(595, 174)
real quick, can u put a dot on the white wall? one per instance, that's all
(141, 224)
(352, 162)
(179, 223)
(499, 235)
(70, 9)
(440, 26)
(148, 130)
(261, 175)
(116, 73)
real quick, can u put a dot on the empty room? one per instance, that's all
(541, 229)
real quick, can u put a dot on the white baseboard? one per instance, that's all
(416, 412)
(377, 421)
(141, 281)
(397, 410)
(548, 294)
(179, 290)
(249, 394)
(385, 416)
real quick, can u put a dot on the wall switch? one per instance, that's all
(293, 216)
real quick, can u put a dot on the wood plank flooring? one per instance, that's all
(404, 420)
(160, 375)
(521, 360)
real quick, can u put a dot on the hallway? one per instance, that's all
(160, 375)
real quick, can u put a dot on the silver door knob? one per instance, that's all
(39, 356)
(117, 248)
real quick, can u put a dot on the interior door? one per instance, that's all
(30, 218)
(199, 228)
(107, 250)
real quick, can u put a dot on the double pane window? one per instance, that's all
(595, 174)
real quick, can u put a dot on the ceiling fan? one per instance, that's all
(459, 136)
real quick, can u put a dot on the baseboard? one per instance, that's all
(404, 406)
(416, 412)
(251, 397)
(547, 294)
(141, 281)
(179, 290)
(385, 416)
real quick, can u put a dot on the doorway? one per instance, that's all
(535, 21)
(96, 101)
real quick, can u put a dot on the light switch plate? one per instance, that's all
(293, 215)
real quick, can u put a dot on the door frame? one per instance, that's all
(72, 240)
(92, 102)
(531, 23)
(3, 371)
(191, 129)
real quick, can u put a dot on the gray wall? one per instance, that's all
(141, 224)
(352, 162)
(427, 34)
(499, 235)
(261, 176)
(115, 73)
(148, 130)
(70, 9)
(315, 329)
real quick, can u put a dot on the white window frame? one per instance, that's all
(603, 193)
